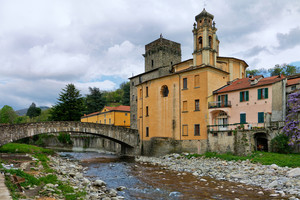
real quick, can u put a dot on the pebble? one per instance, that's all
(284, 179)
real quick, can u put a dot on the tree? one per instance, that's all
(7, 115)
(283, 69)
(69, 106)
(126, 93)
(33, 111)
(292, 126)
(253, 72)
(95, 101)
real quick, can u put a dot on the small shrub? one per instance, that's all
(64, 138)
(279, 144)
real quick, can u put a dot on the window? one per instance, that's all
(244, 96)
(147, 131)
(141, 93)
(109, 121)
(243, 118)
(210, 41)
(197, 105)
(100, 122)
(132, 97)
(223, 100)
(197, 130)
(200, 42)
(293, 87)
(196, 81)
(147, 111)
(261, 117)
(185, 130)
(262, 93)
(104, 121)
(184, 83)
(164, 91)
(125, 114)
(152, 63)
(184, 106)
(229, 133)
(133, 117)
(141, 112)
(132, 83)
(146, 91)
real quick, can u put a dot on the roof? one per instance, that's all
(203, 14)
(293, 81)
(119, 108)
(245, 83)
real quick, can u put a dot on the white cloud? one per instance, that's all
(45, 45)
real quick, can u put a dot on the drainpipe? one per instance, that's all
(179, 93)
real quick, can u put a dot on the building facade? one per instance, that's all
(173, 106)
(118, 116)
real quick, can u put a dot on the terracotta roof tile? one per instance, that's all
(119, 108)
(245, 83)
(293, 81)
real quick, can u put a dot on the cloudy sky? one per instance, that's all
(46, 44)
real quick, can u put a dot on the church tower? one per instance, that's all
(206, 43)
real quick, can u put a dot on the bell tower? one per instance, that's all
(206, 43)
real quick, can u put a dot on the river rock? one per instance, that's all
(113, 193)
(294, 172)
(121, 188)
(273, 184)
(99, 183)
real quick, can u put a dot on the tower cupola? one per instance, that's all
(206, 43)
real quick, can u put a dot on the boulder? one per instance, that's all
(294, 172)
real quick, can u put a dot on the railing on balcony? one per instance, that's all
(219, 104)
(239, 126)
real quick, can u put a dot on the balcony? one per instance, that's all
(219, 104)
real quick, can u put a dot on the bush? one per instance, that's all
(64, 138)
(279, 144)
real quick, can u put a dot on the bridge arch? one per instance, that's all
(128, 138)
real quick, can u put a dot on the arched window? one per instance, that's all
(210, 41)
(222, 120)
(164, 91)
(200, 42)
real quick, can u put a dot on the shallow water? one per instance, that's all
(146, 181)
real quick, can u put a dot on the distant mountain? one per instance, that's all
(23, 112)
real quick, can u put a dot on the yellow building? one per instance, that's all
(175, 106)
(118, 116)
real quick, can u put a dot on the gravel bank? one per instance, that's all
(283, 180)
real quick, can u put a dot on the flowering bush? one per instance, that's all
(291, 128)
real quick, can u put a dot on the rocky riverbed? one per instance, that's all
(283, 181)
(71, 171)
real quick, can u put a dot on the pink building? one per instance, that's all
(254, 102)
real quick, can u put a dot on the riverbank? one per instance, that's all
(282, 181)
(35, 173)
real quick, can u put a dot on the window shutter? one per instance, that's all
(241, 96)
(243, 118)
(247, 95)
(259, 94)
(261, 117)
(266, 93)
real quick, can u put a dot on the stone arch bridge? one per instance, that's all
(128, 138)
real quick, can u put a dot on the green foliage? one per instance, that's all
(283, 69)
(64, 138)
(253, 72)
(33, 111)
(70, 105)
(23, 148)
(265, 158)
(7, 115)
(126, 93)
(279, 144)
(95, 101)
(14, 191)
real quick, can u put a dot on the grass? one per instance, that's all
(265, 158)
(41, 154)
(24, 148)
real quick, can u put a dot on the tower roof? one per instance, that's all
(204, 14)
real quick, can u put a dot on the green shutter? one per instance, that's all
(247, 95)
(266, 93)
(219, 99)
(226, 100)
(259, 93)
(241, 96)
(261, 117)
(243, 118)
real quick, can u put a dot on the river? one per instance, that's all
(145, 181)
